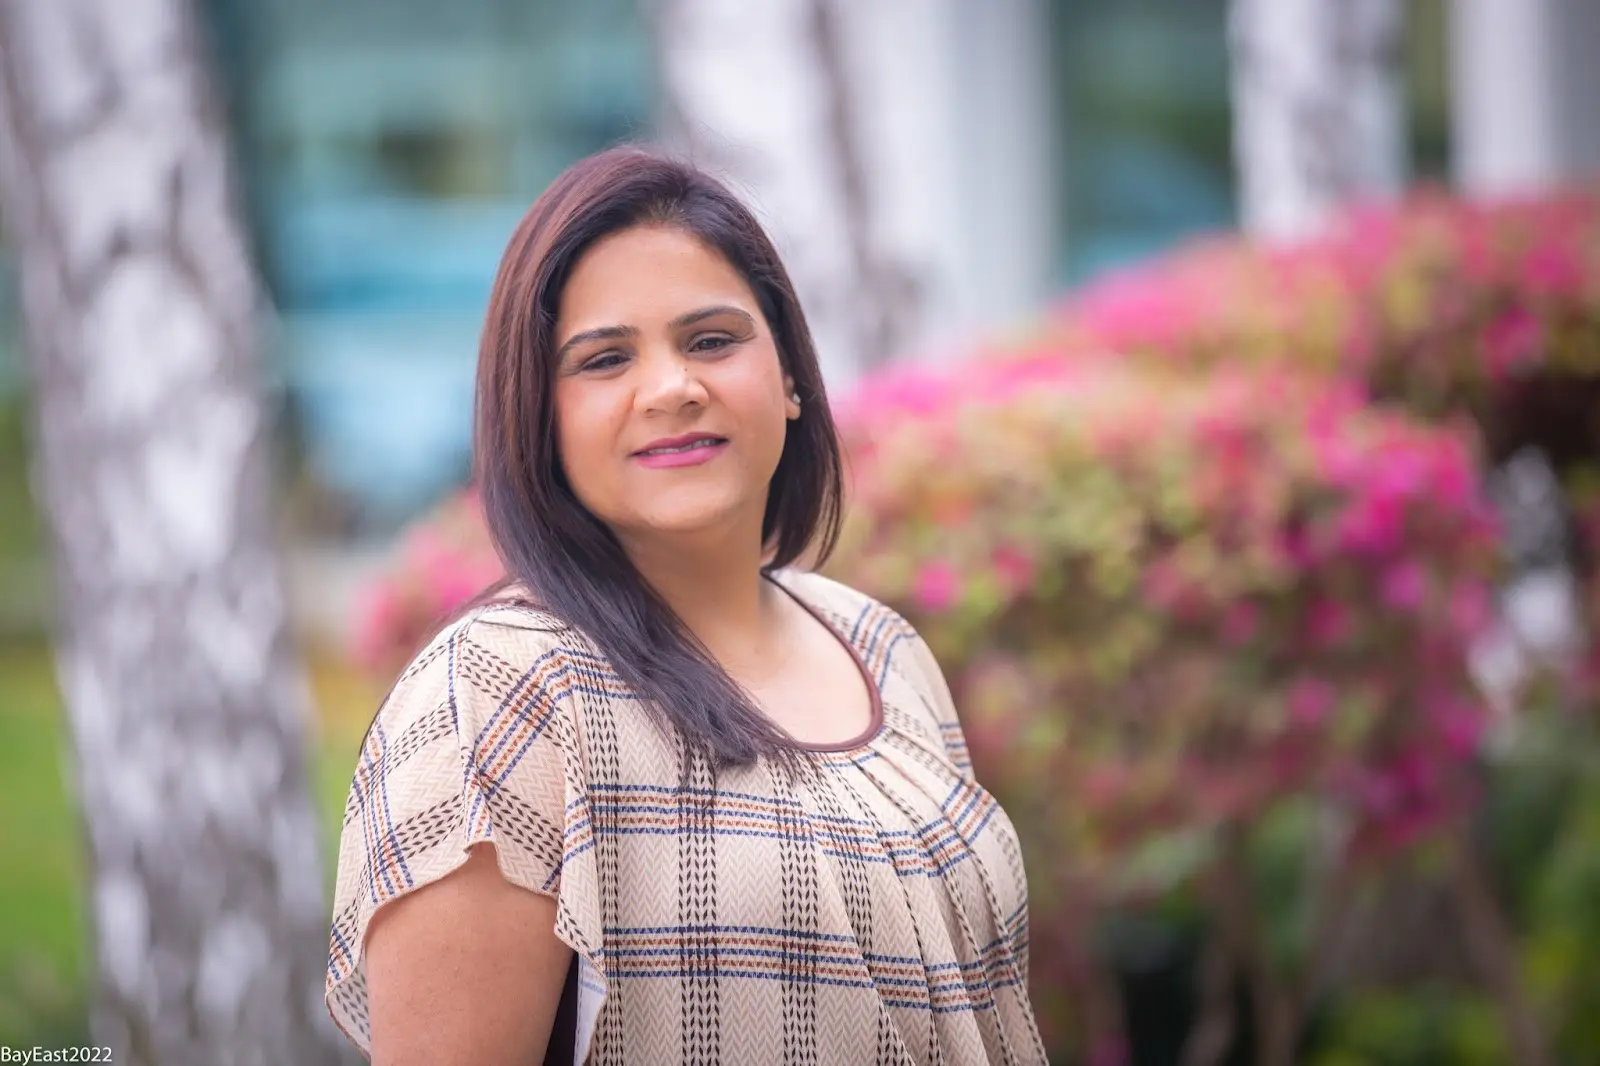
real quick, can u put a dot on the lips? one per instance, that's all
(679, 445)
(670, 453)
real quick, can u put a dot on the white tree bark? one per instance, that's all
(1317, 109)
(186, 704)
(826, 115)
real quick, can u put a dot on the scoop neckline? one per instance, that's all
(875, 695)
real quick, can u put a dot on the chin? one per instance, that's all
(689, 516)
(681, 523)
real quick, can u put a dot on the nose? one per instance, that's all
(667, 383)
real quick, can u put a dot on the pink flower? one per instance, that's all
(998, 381)
(1553, 270)
(1375, 792)
(1142, 308)
(379, 617)
(1104, 784)
(1328, 624)
(1413, 774)
(1512, 341)
(900, 391)
(453, 585)
(1013, 568)
(1296, 548)
(1239, 625)
(1460, 726)
(1455, 479)
(1360, 347)
(1372, 526)
(1469, 608)
(425, 546)
(1163, 585)
(1338, 461)
(937, 586)
(1401, 472)
(1310, 700)
(1404, 585)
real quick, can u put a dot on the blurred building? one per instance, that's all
(389, 146)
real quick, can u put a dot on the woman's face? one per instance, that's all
(671, 404)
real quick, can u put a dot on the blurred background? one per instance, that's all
(1220, 382)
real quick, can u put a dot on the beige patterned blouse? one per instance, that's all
(868, 907)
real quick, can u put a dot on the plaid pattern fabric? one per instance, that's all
(868, 906)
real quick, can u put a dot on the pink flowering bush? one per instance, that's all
(441, 562)
(1442, 304)
(1449, 307)
(1168, 608)
(1177, 604)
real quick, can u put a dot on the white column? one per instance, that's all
(1503, 82)
(1000, 53)
(1526, 85)
(1578, 101)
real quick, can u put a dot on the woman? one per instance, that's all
(663, 798)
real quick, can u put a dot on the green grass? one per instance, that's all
(44, 961)
(41, 941)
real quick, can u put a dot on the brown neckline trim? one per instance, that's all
(875, 725)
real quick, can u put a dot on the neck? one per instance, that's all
(716, 588)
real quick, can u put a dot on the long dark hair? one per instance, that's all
(551, 545)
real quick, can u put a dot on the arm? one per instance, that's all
(443, 947)
(465, 970)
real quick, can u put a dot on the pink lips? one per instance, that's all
(690, 457)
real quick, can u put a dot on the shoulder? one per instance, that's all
(880, 635)
(863, 616)
(894, 653)
(491, 651)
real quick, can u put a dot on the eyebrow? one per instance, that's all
(609, 333)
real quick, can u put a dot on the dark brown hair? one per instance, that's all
(551, 545)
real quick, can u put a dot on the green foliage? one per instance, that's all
(1543, 815)
(1420, 1027)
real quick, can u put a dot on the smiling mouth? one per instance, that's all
(703, 442)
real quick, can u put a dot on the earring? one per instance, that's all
(795, 396)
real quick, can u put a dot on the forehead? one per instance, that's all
(645, 274)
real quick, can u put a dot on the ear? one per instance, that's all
(791, 407)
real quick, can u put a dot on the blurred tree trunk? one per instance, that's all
(186, 703)
(777, 96)
(1318, 118)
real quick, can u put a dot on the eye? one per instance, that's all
(604, 361)
(710, 342)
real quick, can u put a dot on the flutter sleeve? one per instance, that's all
(474, 744)
(937, 689)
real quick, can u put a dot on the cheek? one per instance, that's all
(579, 433)
(758, 393)
(774, 419)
